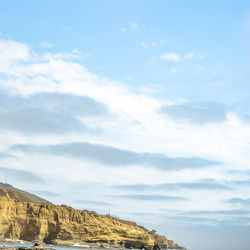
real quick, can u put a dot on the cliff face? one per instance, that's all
(65, 225)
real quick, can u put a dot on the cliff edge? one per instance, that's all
(24, 216)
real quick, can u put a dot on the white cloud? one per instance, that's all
(135, 124)
(11, 51)
(64, 55)
(170, 57)
(176, 57)
(123, 29)
(139, 116)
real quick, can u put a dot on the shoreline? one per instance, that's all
(9, 244)
(21, 244)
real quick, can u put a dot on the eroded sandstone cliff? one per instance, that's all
(64, 225)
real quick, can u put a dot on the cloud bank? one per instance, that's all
(115, 157)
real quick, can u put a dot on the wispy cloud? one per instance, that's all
(172, 57)
(245, 182)
(196, 185)
(145, 45)
(151, 197)
(131, 26)
(200, 113)
(46, 193)
(4, 155)
(214, 212)
(46, 44)
(12, 51)
(75, 54)
(191, 220)
(47, 113)
(114, 156)
(153, 44)
(134, 25)
(234, 220)
(37, 121)
(244, 172)
(93, 203)
(189, 56)
(239, 201)
(173, 70)
(20, 175)
(206, 217)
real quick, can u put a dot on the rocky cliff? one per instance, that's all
(43, 221)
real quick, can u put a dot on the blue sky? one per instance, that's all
(141, 107)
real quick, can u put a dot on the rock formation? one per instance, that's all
(24, 216)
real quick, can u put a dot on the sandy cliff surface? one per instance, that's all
(30, 221)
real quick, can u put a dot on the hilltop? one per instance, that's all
(6, 190)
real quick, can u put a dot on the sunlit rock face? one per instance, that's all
(30, 221)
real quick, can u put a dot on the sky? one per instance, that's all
(140, 109)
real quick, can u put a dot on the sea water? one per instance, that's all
(56, 247)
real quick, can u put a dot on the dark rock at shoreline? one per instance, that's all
(24, 248)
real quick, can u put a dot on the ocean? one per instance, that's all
(56, 247)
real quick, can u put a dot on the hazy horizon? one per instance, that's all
(140, 109)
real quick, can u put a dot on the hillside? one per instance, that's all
(6, 190)
(39, 220)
